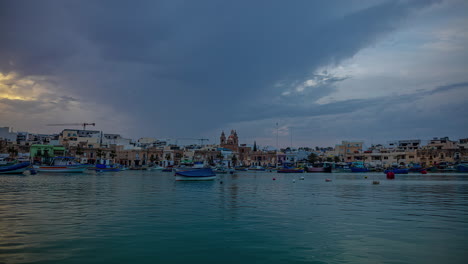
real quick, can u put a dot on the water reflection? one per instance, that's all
(74, 218)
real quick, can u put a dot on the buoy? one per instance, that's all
(328, 180)
(294, 180)
(274, 179)
(375, 182)
(365, 177)
(302, 178)
(423, 172)
(221, 182)
(390, 175)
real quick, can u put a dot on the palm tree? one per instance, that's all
(113, 154)
(234, 160)
(13, 151)
(312, 158)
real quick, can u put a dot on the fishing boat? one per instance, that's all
(107, 168)
(62, 164)
(324, 169)
(168, 168)
(358, 167)
(155, 168)
(397, 170)
(256, 168)
(290, 170)
(204, 174)
(462, 167)
(14, 168)
(220, 170)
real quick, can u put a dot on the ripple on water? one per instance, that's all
(147, 217)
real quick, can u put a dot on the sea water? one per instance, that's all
(148, 217)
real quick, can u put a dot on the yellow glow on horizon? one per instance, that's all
(11, 87)
(15, 97)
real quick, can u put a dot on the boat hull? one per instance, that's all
(462, 168)
(290, 171)
(62, 169)
(397, 171)
(193, 178)
(205, 174)
(319, 169)
(359, 169)
(108, 170)
(15, 168)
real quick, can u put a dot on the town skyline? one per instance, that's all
(217, 141)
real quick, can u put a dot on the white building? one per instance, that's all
(7, 134)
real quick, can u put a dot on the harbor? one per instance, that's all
(63, 203)
(143, 216)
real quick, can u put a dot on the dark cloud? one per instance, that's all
(184, 68)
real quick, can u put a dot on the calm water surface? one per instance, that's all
(147, 217)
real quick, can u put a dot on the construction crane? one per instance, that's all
(75, 124)
(200, 139)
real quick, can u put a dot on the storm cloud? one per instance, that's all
(192, 68)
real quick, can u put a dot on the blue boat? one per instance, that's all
(358, 166)
(17, 168)
(107, 168)
(357, 169)
(204, 174)
(397, 171)
(462, 168)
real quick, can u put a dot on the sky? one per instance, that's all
(310, 73)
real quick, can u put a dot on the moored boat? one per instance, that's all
(62, 164)
(107, 168)
(290, 170)
(311, 169)
(358, 167)
(256, 168)
(462, 167)
(397, 170)
(203, 174)
(14, 168)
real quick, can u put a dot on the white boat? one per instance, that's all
(204, 174)
(62, 164)
(155, 168)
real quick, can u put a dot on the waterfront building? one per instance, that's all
(73, 137)
(347, 149)
(7, 134)
(463, 143)
(441, 143)
(45, 151)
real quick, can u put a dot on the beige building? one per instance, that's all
(347, 150)
(85, 138)
(441, 143)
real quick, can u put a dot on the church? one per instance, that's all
(232, 141)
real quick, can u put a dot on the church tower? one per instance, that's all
(222, 139)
